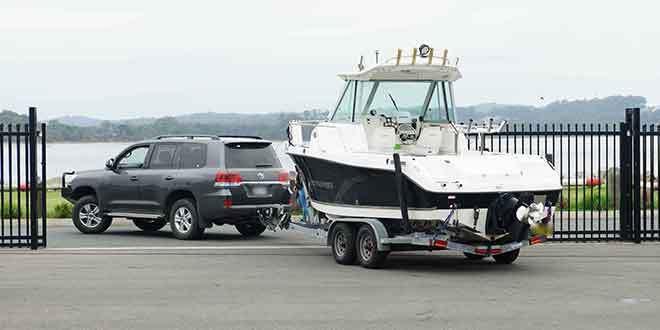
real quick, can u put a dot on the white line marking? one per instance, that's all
(152, 248)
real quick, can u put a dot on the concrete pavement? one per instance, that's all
(283, 281)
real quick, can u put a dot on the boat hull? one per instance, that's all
(351, 187)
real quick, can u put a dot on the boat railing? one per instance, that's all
(481, 130)
(299, 132)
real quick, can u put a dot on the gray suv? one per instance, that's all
(192, 182)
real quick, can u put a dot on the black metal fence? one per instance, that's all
(601, 178)
(22, 195)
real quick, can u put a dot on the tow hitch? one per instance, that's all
(274, 218)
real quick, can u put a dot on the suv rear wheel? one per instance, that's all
(87, 216)
(184, 220)
(250, 229)
(149, 225)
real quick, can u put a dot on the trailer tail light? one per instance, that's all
(227, 179)
(440, 244)
(481, 251)
(537, 240)
(488, 251)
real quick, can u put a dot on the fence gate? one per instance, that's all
(608, 171)
(22, 192)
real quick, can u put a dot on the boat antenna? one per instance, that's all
(393, 102)
(361, 65)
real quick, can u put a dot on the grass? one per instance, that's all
(590, 198)
(56, 206)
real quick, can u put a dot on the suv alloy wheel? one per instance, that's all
(87, 216)
(184, 220)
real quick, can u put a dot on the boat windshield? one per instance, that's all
(431, 100)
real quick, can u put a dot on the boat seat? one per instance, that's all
(379, 137)
(439, 139)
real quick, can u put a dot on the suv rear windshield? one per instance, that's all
(251, 155)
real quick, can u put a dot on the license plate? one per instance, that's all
(259, 191)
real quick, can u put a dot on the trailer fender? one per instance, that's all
(377, 226)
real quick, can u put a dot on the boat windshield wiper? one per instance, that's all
(393, 102)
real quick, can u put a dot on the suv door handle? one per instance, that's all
(134, 178)
(169, 178)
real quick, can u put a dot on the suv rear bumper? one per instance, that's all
(214, 210)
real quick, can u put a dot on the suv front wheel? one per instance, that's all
(184, 220)
(87, 216)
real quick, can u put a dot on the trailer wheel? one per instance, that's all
(507, 258)
(367, 248)
(343, 244)
(472, 256)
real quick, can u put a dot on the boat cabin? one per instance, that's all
(405, 104)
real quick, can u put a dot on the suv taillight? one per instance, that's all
(283, 177)
(227, 179)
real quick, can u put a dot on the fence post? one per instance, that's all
(33, 185)
(636, 176)
(624, 179)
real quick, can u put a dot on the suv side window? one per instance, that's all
(192, 155)
(162, 157)
(134, 158)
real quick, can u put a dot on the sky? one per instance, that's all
(124, 59)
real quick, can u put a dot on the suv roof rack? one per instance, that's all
(205, 136)
(241, 136)
(187, 136)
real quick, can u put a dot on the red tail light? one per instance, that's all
(537, 240)
(283, 177)
(440, 243)
(481, 251)
(228, 203)
(227, 179)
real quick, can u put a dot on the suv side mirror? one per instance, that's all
(110, 163)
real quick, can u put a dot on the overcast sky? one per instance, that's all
(122, 59)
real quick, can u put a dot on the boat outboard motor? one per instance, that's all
(511, 214)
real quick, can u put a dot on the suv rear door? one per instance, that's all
(262, 176)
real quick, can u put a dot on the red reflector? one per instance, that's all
(283, 177)
(537, 240)
(228, 177)
(228, 203)
(440, 243)
(481, 251)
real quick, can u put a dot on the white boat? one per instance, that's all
(391, 150)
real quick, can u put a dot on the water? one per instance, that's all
(63, 157)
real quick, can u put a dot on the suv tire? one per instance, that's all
(87, 216)
(184, 220)
(250, 229)
(149, 225)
